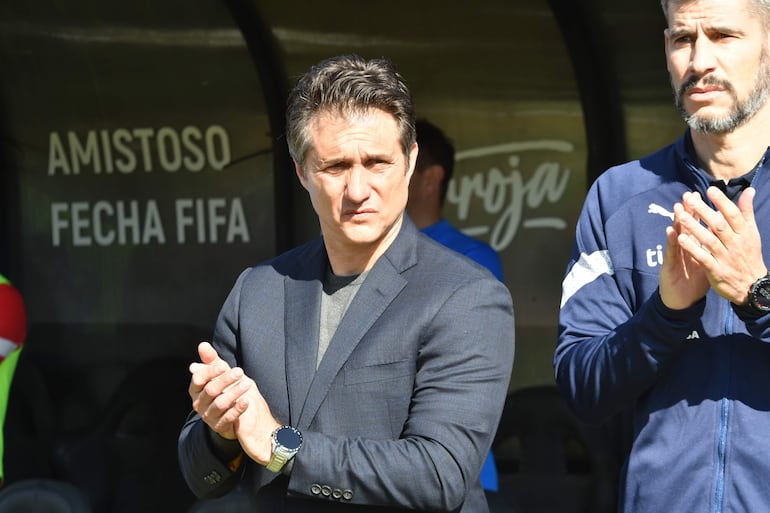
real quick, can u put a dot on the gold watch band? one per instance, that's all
(276, 463)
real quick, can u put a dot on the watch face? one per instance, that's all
(288, 437)
(760, 294)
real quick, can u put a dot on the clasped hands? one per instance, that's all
(230, 403)
(707, 247)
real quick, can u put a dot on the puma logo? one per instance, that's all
(654, 208)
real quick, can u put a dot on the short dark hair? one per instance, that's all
(435, 148)
(347, 84)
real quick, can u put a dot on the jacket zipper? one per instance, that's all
(724, 417)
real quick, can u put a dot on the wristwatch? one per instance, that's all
(759, 295)
(286, 443)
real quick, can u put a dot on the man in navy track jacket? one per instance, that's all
(664, 313)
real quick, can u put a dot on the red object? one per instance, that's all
(13, 318)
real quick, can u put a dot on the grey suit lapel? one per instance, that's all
(303, 310)
(378, 290)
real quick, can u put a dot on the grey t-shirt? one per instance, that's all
(338, 293)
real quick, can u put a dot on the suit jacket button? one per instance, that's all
(336, 493)
(347, 494)
(326, 490)
(315, 489)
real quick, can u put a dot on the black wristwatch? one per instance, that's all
(759, 295)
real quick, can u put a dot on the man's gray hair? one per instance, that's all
(760, 7)
(347, 85)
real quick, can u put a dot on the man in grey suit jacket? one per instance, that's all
(366, 370)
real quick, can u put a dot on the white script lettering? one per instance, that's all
(505, 194)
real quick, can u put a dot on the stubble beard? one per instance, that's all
(741, 112)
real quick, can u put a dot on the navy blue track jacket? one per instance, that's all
(696, 382)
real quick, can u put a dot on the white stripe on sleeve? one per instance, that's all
(585, 270)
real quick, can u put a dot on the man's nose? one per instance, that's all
(702, 56)
(357, 187)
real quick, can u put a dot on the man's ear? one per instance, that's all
(412, 161)
(300, 174)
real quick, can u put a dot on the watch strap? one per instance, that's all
(277, 461)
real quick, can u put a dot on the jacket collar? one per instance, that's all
(700, 180)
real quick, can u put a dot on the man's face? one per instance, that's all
(718, 63)
(358, 178)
